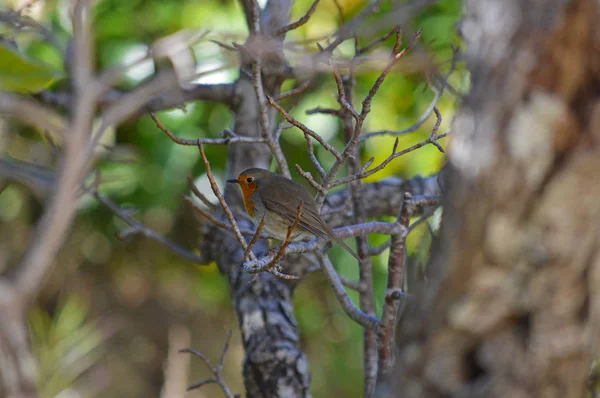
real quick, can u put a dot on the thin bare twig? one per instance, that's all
(199, 194)
(230, 136)
(217, 371)
(303, 128)
(359, 118)
(264, 119)
(398, 42)
(313, 157)
(223, 45)
(217, 191)
(139, 228)
(283, 124)
(309, 178)
(394, 155)
(376, 42)
(295, 91)
(294, 25)
(414, 127)
(342, 93)
(434, 131)
(428, 111)
(325, 111)
(375, 87)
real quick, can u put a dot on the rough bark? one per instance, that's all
(511, 307)
(274, 364)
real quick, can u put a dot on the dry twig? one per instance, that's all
(137, 227)
(264, 119)
(295, 25)
(217, 371)
(394, 155)
(199, 194)
(295, 91)
(303, 127)
(229, 138)
(217, 191)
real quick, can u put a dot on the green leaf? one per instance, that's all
(21, 74)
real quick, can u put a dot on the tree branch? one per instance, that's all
(295, 25)
(358, 316)
(219, 93)
(230, 136)
(56, 221)
(366, 297)
(217, 371)
(139, 228)
(395, 283)
(33, 113)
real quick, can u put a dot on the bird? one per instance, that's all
(277, 198)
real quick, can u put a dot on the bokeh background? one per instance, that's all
(102, 325)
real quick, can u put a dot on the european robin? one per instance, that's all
(277, 199)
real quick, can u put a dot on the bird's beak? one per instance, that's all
(233, 181)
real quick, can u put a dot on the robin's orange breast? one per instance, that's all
(248, 204)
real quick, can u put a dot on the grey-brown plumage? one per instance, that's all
(279, 198)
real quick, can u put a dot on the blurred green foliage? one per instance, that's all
(140, 280)
(21, 74)
(65, 344)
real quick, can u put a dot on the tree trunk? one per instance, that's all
(274, 363)
(511, 307)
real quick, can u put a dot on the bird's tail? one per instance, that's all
(329, 233)
(345, 246)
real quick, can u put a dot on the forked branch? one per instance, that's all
(217, 371)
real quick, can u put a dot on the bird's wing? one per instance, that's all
(286, 205)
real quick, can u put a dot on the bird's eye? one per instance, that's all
(249, 180)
